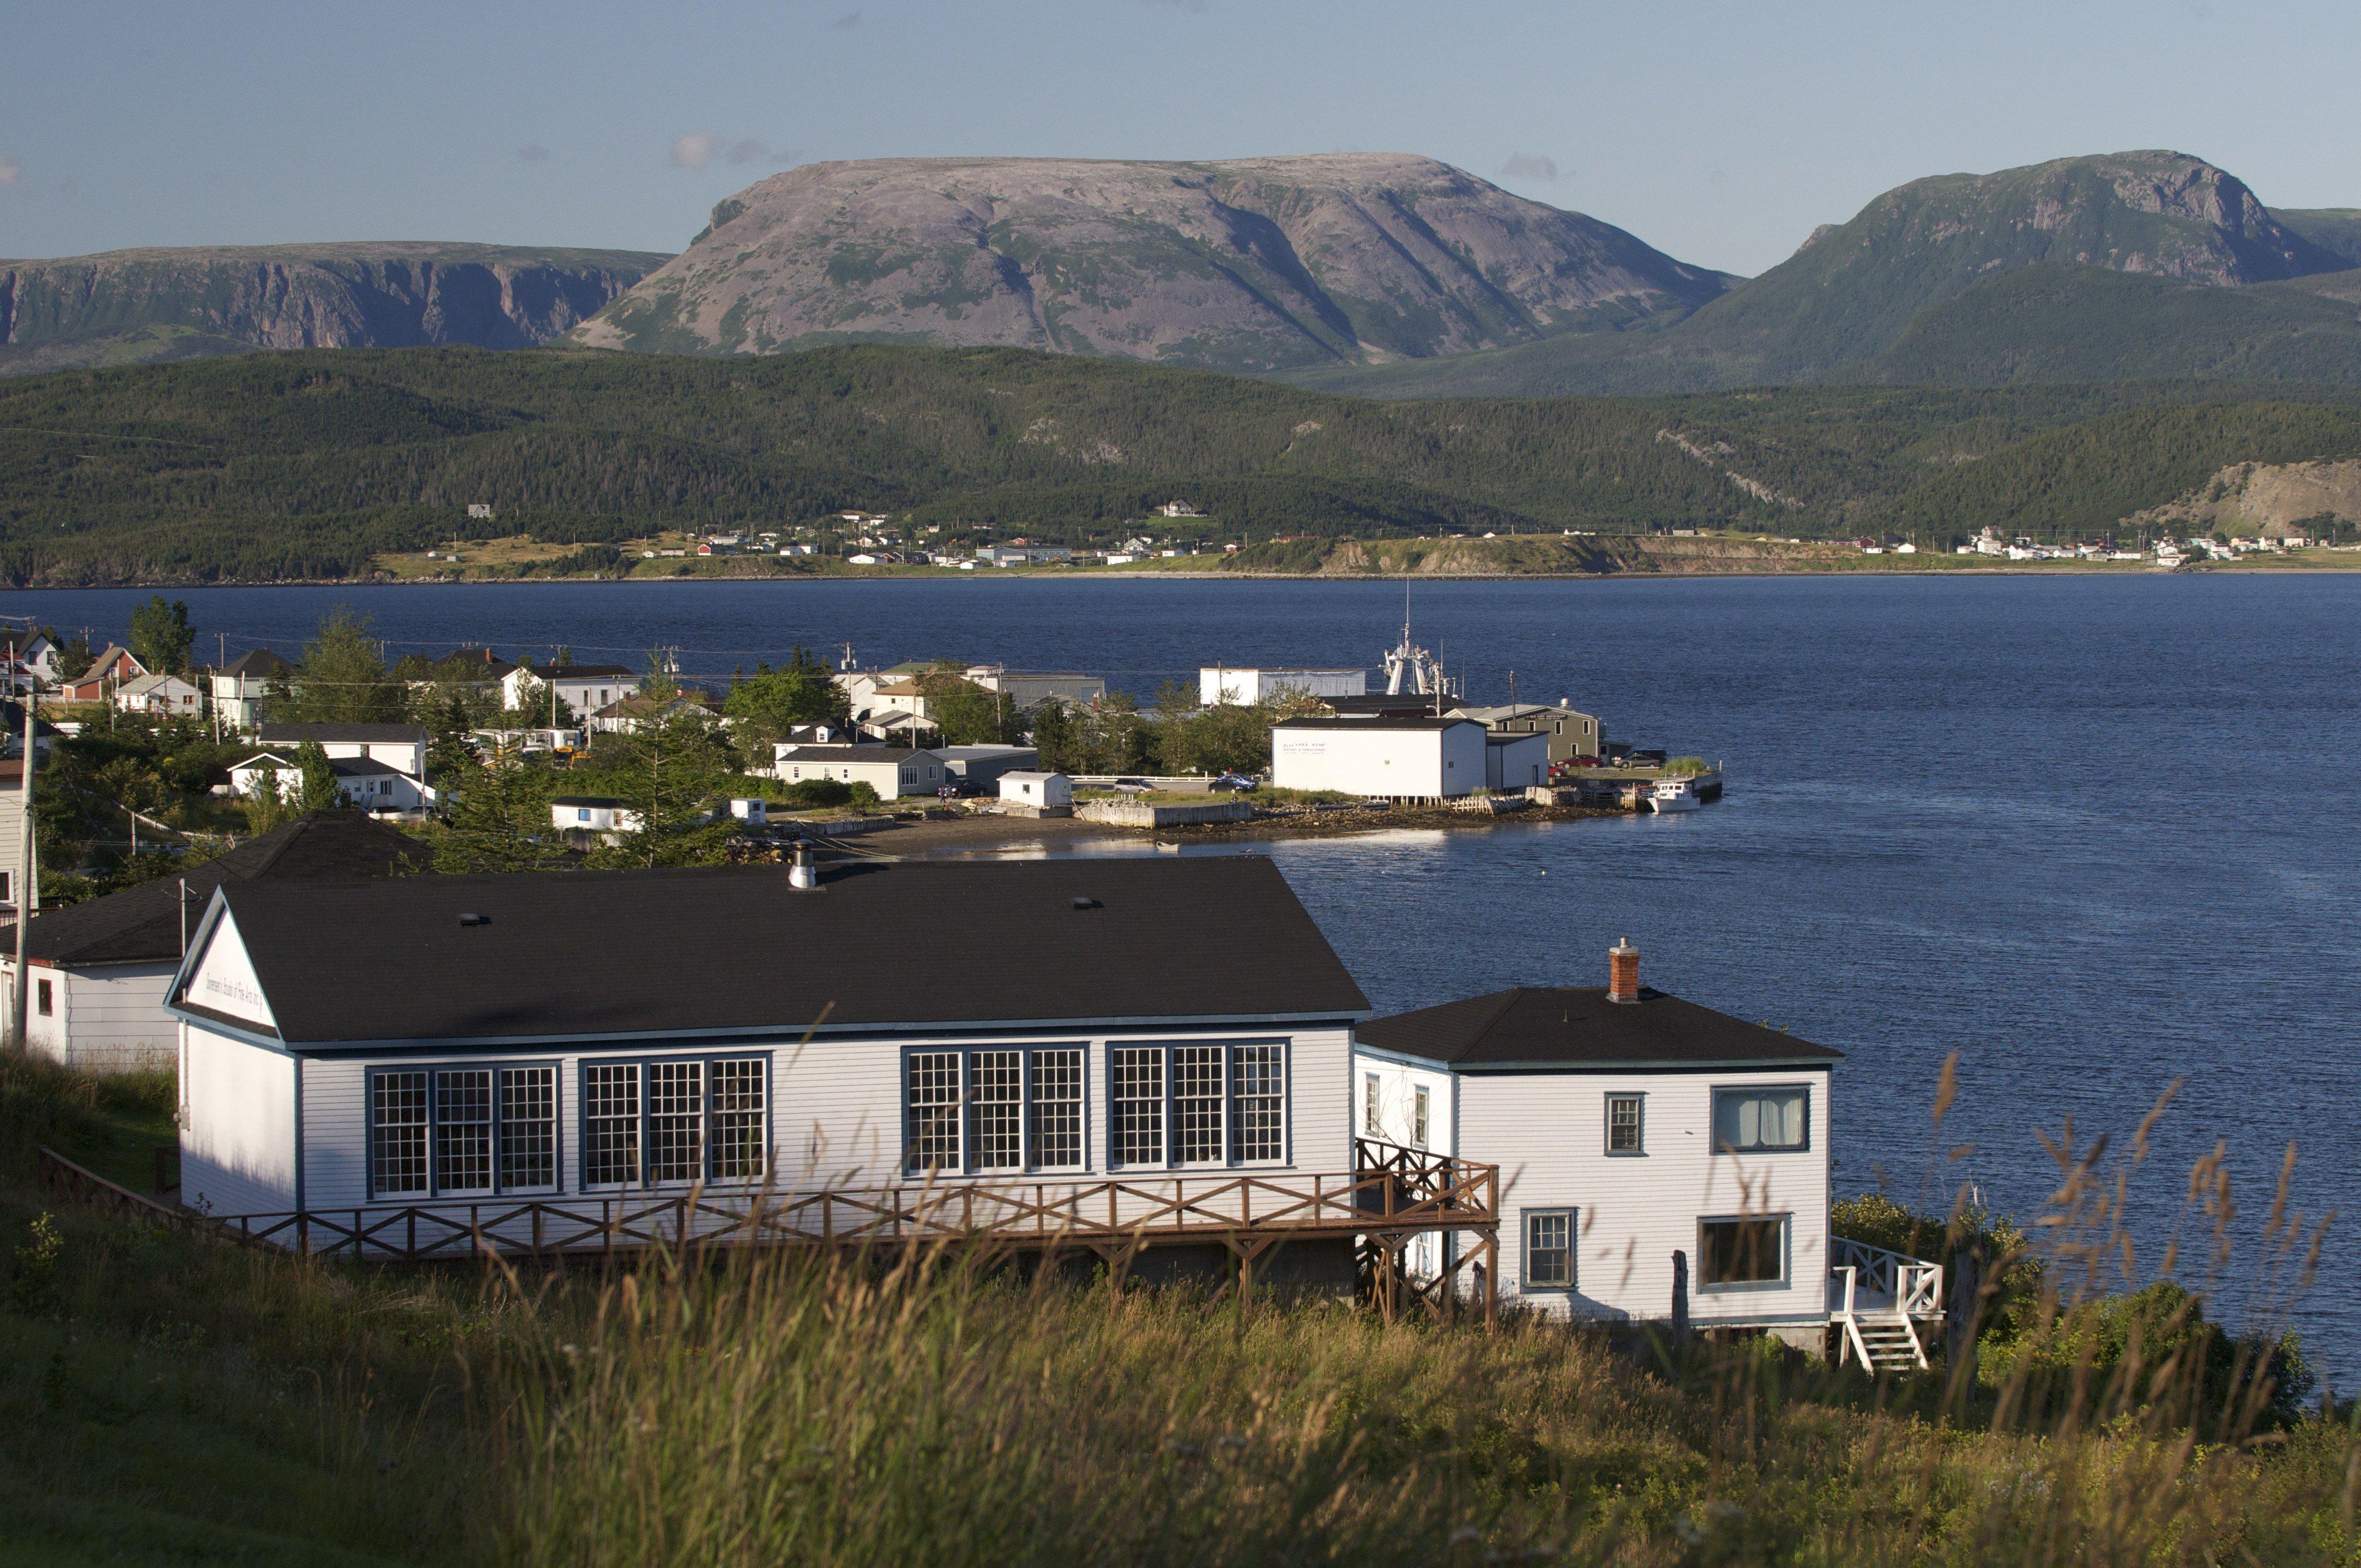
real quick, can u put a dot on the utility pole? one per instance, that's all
(24, 877)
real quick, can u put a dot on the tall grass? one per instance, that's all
(161, 1398)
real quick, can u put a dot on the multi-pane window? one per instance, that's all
(1624, 1127)
(932, 1138)
(463, 1130)
(674, 1120)
(1420, 1102)
(1139, 1074)
(397, 1124)
(1197, 1102)
(1370, 1089)
(610, 1124)
(737, 1119)
(1549, 1249)
(1057, 1110)
(456, 1131)
(1750, 1119)
(995, 1110)
(1222, 1103)
(528, 1127)
(1739, 1252)
(1262, 1103)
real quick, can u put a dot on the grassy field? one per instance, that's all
(165, 1399)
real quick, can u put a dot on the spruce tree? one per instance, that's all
(498, 818)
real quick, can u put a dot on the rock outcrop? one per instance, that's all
(2271, 499)
(1250, 264)
(134, 306)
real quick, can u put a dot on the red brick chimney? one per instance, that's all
(1624, 971)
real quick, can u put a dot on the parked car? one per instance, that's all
(1234, 781)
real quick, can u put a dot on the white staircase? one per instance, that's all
(1885, 1305)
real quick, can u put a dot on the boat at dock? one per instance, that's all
(1672, 795)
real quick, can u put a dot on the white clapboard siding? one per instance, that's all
(1398, 1086)
(836, 1109)
(114, 1018)
(1547, 1132)
(237, 1153)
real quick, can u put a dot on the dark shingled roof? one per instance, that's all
(142, 924)
(1373, 724)
(731, 948)
(258, 661)
(801, 752)
(343, 734)
(1579, 1027)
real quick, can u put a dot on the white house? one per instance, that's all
(1383, 758)
(1220, 684)
(401, 747)
(891, 770)
(361, 782)
(585, 688)
(583, 817)
(1516, 761)
(240, 685)
(322, 1077)
(101, 968)
(1037, 789)
(1629, 1127)
(164, 695)
(26, 657)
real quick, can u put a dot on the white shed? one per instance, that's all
(1037, 789)
(1628, 1127)
(1391, 759)
(1516, 761)
(751, 809)
(1220, 683)
(892, 771)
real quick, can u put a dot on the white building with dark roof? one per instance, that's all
(1381, 758)
(1639, 1137)
(1055, 1048)
(892, 771)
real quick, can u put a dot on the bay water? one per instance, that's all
(2092, 833)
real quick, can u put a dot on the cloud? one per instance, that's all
(9, 169)
(1530, 165)
(850, 19)
(695, 149)
(534, 153)
(749, 151)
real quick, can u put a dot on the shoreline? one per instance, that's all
(2061, 570)
(988, 835)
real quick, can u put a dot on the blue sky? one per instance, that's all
(1719, 132)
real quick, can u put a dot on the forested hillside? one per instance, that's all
(307, 465)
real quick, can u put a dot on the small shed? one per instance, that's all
(1037, 789)
(751, 809)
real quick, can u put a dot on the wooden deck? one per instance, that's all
(1393, 1195)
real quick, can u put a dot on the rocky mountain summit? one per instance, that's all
(1249, 264)
(135, 306)
(1853, 290)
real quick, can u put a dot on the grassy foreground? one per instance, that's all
(167, 1401)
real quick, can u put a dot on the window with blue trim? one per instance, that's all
(1197, 1104)
(458, 1132)
(674, 1120)
(992, 1110)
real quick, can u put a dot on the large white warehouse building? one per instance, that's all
(1220, 684)
(1388, 759)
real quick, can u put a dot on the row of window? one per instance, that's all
(456, 1132)
(447, 1132)
(1001, 1109)
(1736, 1254)
(1745, 1121)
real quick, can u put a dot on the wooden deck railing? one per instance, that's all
(1397, 1192)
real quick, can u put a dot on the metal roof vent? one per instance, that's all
(1080, 902)
(475, 919)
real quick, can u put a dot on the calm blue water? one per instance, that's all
(2094, 834)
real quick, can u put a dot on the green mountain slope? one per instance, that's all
(2336, 229)
(143, 306)
(306, 465)
(1854, 291)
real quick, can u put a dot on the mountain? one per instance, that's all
(138, 306)
(1854, 291)
(308, 464)
(1251, 264)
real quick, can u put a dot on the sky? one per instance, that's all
(1721, 132)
